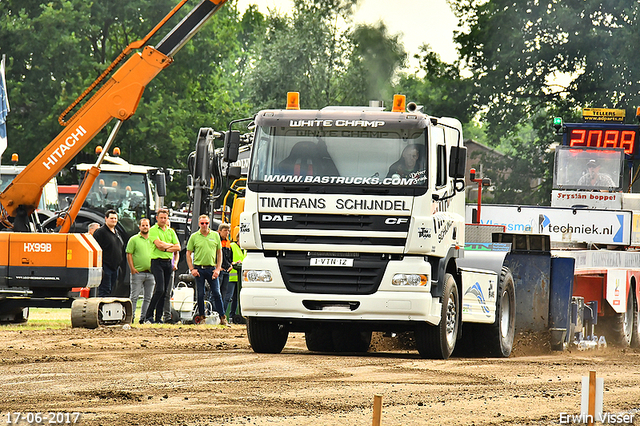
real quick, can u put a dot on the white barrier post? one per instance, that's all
(591, 403)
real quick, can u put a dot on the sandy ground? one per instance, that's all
(208, 375)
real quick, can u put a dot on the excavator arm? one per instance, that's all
(117, 98)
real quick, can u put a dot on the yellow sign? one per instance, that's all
(603, 114)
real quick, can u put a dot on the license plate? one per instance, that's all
(331, 261)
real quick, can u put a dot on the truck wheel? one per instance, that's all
(319, 340)
(496, 340)
(351, 340)
(618, 328)
(266, 337)
(440, 340)
(635, 332)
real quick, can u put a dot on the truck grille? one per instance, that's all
(362, 278)
(334, 229)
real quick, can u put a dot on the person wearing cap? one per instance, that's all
(594, 178)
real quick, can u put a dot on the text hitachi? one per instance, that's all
(64, 147)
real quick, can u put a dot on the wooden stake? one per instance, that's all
(592, 398)
(377, 409)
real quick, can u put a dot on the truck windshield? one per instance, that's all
(123, 192)
(342, 157)
(588, 168)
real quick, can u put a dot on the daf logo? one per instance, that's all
(276, 217)
(395, 220)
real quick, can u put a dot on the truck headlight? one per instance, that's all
(253, 275)
(413, 280)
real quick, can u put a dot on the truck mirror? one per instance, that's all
(231, 146)
(457, 162)
(161, 184)
(234, 172)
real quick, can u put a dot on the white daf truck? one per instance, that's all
(354, 222)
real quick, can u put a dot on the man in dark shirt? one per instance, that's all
(111, 246)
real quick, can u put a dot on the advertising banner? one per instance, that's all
(561, 224)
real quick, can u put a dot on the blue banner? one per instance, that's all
(4, 108)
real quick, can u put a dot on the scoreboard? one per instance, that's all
(603, 135)
(602, 128)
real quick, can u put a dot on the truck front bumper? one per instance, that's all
(389, 303)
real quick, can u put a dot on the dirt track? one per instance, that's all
(188, 375)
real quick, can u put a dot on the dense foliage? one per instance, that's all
(535, 59)
(520, 63)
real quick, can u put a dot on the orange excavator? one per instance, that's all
(40, 269)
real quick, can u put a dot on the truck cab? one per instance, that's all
(130, 189)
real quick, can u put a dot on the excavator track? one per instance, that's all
(97, 312)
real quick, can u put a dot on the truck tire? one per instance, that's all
(439, 341)
(266, 337)
(319, 339)
(635, 332)
(351, 340)
(618, 328)
(496, 340)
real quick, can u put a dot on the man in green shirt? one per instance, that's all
(165, 244)
(206, 249)
(139, 260)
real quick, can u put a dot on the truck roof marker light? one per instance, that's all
(293, 100)
(399, 102)
(98, 150)
(14, 158)
(116, 152)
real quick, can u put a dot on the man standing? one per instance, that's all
(111, 246)
(227, 265)
(207, 252)
(165, 243)
(139, 260)
(235, 278)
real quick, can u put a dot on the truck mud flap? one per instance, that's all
(560, 302)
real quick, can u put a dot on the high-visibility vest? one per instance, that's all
(238, 256)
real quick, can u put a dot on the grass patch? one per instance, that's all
(43, 319)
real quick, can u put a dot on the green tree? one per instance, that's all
(374, 61)
(443, 91)
(533, 60)
(518, 50)
(319, 53)
(56, 49)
